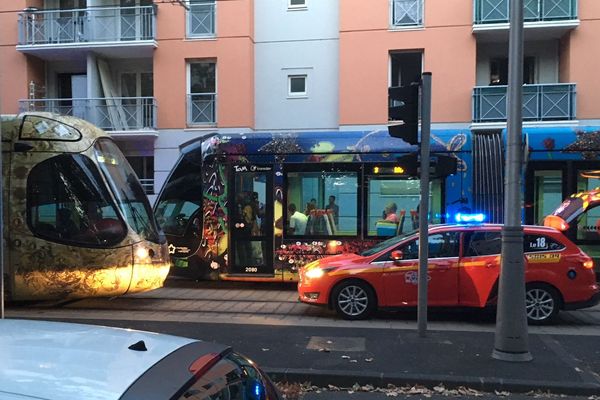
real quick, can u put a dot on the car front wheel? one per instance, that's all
(541, 303)
(354, 300)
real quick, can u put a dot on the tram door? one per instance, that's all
(251, 222)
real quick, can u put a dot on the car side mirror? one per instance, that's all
(397, 255)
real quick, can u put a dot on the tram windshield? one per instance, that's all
(181, 198)
(128, 191)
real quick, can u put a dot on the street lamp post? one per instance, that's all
(511, 340)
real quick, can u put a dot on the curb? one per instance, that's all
(483, 384)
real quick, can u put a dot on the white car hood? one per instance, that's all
(52, 360)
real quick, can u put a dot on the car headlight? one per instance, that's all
(315, 273)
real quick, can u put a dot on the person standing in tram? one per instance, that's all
(298, 221)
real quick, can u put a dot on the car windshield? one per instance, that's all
(128, 191)
(387, 243)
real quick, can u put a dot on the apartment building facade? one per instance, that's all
(157, 74)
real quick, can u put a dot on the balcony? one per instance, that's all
(120, 27)
(135, 115)
(202, 108)
(554, 102)
(148, 185)
(543, 19)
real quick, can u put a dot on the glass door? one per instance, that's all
(251, 222)
(548, 193)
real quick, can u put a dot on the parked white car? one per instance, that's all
(55, 360)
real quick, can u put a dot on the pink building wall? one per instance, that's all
(15, 70)
(582, 62)
(365, 42)
(233, 51)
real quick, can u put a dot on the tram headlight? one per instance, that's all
(142, 254)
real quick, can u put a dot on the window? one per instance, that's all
(393, 205)
(202, 93)
(201, 18)
(441, 245)
(295, 4)
(499, 71)
(297, 85)
(68, 203)
(322, 203)
(483, 244)
(407, 13)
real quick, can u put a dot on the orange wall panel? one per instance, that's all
(235, 80)
(365, 43)
(449, 54)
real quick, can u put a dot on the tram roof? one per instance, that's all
(13, 128)
(315, 142)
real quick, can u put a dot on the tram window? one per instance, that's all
(322, 203)
(67, 202)
(393, 205)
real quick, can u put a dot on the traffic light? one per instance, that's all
(403, 111)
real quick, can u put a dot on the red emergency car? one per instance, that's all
(464, 267)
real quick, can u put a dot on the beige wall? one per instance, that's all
(365, 43)
(583, 63)
(233, 51)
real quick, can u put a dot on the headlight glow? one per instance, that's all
(314, 273)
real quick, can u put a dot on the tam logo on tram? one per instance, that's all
(77, 222)
(259, 206)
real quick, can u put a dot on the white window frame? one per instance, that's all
(188, 83)
(420, 12)
(188, 17)
(297, 94)
(302, 6)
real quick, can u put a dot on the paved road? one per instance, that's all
(304, 343)
(272, 304)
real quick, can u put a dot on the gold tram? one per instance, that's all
(77, 222)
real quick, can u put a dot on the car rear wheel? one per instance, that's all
(541, 303)
(354, 300)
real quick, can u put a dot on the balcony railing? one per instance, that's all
(97, 24)
(202, 108)
(553, 102)
(110, 114)
(406, 13)
(148, 185)
(497, 11)
(201, 19)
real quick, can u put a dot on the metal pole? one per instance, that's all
(1, 225)
(511, 340)
(424, 204)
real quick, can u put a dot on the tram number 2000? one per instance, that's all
(251, 269)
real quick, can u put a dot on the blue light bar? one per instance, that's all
(469, 218)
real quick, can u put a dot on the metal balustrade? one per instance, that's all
(549, 102)
(497, 11)
(407, 12)
(97, 24)
(147, 185)
(202, 108)
(110, 114)
(201, 19)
